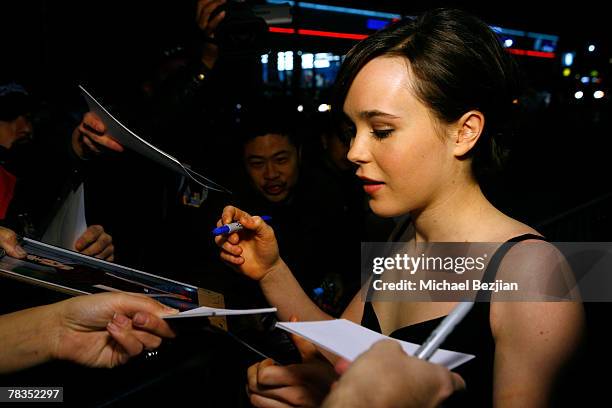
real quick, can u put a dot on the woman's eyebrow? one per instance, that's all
(368, 114)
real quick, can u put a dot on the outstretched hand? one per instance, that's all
(107, 329)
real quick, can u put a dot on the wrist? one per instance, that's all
(55, 328)
(272, 273)
(209, 52)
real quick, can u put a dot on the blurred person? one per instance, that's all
(170, 103)
(426, 101)
(30, 197)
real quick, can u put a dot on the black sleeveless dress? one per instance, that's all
(473, 336)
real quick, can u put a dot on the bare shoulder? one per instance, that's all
(508, 228)
(540, 271)
(547, 300)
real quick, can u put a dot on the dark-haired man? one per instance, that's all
(307, 210)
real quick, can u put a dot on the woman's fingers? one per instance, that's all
(234, 260)
(231, 214)
(231, 249)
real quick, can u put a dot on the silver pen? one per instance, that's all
(446, 326)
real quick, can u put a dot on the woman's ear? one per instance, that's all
(467, 132)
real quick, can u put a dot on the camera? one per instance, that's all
(241, 33)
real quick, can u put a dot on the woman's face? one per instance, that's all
(402, 157)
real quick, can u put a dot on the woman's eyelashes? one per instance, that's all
(381, 133)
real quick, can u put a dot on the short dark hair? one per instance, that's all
(459, 65)
(15, 101)
(268, 116)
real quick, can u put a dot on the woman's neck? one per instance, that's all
(456, 216)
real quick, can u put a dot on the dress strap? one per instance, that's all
(493, 266)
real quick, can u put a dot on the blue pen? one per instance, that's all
(234, 226)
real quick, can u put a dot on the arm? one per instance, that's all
(254, 253)
(102, 330)
(534, 339)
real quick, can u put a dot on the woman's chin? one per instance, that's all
(385, 211)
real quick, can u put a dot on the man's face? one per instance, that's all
(14, 130)
(272, 163)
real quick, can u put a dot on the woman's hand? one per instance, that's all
(252, 251)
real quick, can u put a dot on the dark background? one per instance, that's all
(557, 178)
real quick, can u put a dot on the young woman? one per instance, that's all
(426, 100)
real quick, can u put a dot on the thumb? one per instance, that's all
(458, 382)
(307, 350)
(132, 303)
(255, 224)
(342, 365)
(266, 363)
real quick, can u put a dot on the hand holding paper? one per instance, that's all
(349, 340)
(130, 140)
(385, 376)
(91, 137)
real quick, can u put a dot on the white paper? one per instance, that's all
(348, 340)
(211, 311)
(130, 140)
(69, 222)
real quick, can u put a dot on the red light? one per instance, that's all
(350, 36)
(281, 30)
(530, 53)
(317, 33)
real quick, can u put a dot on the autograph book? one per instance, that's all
(77, 274)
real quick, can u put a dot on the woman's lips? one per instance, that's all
(372, 188)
